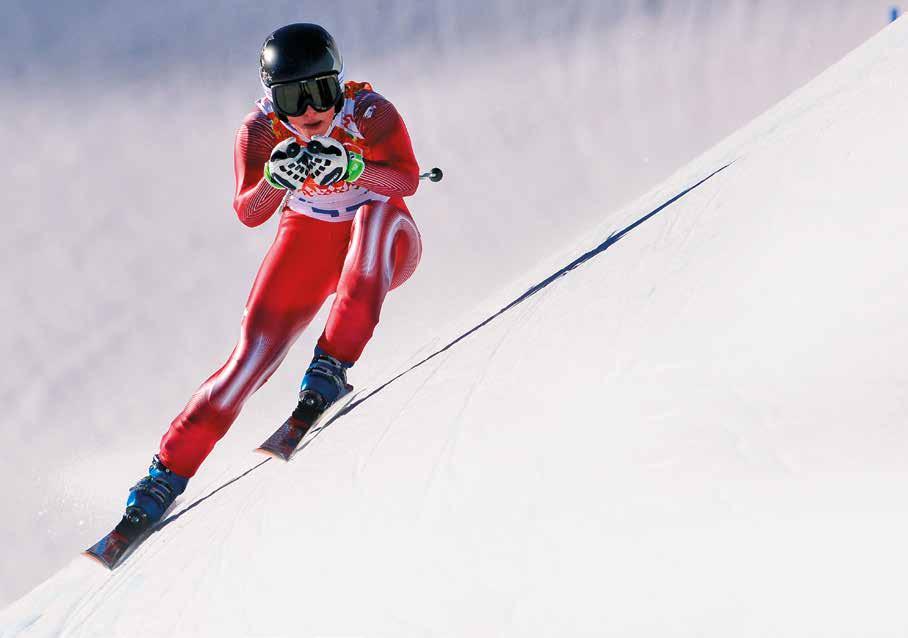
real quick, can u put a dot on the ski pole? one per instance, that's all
(434, 175)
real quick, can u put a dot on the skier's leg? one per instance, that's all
(384, 251)
(299, 272)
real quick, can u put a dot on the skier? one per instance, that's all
(336, 158)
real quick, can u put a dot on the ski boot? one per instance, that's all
(324, 382)
(150, 498)
(147, 502)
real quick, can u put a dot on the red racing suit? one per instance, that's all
(356, 240)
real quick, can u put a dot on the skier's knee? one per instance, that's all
(363, 296)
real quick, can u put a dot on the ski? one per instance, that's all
(283, 443)
(122, 540)
(134, 527)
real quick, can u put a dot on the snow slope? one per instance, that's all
(125, 270)
(697, 430)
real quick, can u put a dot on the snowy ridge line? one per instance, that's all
(610, 241)
(199, 501)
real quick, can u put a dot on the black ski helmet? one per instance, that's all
(297, 52)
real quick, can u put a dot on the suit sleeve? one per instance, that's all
(391, 168)
(255, 200)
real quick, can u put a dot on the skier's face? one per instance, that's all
(311, 122)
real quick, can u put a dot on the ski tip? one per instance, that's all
(97, 559)
(271, 454)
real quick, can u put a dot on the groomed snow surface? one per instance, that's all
(698, 431)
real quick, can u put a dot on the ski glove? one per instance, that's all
(329, 162)
(286, 167)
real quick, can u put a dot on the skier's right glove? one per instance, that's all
(285, 168)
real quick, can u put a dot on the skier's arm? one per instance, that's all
(255, 200)
(391, 169)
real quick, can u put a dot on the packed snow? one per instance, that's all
(692, 425)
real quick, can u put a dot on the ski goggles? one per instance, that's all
(292, 98)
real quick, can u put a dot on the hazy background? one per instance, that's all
(126, 271)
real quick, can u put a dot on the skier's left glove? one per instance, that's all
(329, 162)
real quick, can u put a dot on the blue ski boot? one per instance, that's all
(152, 495)
(324, 382)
